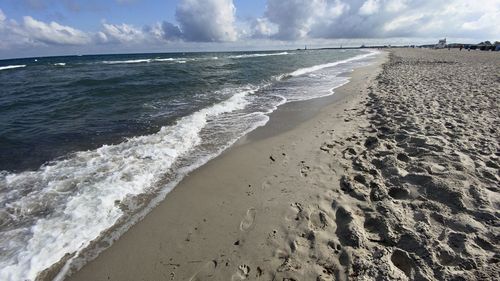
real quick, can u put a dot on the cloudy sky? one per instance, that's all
(53, 27)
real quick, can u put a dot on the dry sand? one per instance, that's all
(393, 178)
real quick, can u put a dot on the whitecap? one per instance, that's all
(259, 55)
(127, 61)
(12, 66)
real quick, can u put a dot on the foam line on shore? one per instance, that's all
(99, 182)
(307, 70)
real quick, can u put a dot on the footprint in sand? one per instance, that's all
(402, 260)
(265, 185)
(304, 169)
(242, 273)
(248, 220)
(318, 220)
(295, 212)
(206, 271)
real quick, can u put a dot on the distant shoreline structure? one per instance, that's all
(483, 46)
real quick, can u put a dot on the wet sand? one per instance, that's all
(394, 177)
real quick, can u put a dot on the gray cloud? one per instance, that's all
(293, 18)
(297, 19)
(263, 28)
(171, 31)
(204, 21)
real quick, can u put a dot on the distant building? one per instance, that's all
(441, 44)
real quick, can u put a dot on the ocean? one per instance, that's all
(89, 144)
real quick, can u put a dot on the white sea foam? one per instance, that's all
(321, 80)
(12, 66)
(171, 60)
(178, 60)
(60, 64)
(81, 192)
(126, 61)
(323, 90)
(259, 55)
(165, 59)
(306, 70)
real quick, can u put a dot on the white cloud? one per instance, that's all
(298, 19)
(9, 32)
(207, 20)
(263, 28)
(53, 32)
(120, 33)
(484, 22)
(158, 33)
(403, 22)
(2, 15)
(393, 6)
(154, 32)
(32, 32)
(370, 7)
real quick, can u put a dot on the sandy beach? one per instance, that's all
(394, 177)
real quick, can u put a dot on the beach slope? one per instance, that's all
(394, 177)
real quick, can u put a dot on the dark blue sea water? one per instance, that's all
(83, 136)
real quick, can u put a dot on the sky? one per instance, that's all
(72, 27)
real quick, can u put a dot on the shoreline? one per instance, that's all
(194, 189)
(118, 180)
(395, 179)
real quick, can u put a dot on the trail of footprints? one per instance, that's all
(419, 196)
(416, 200)
(411, 167)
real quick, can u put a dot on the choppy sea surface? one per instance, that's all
(90, 143)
